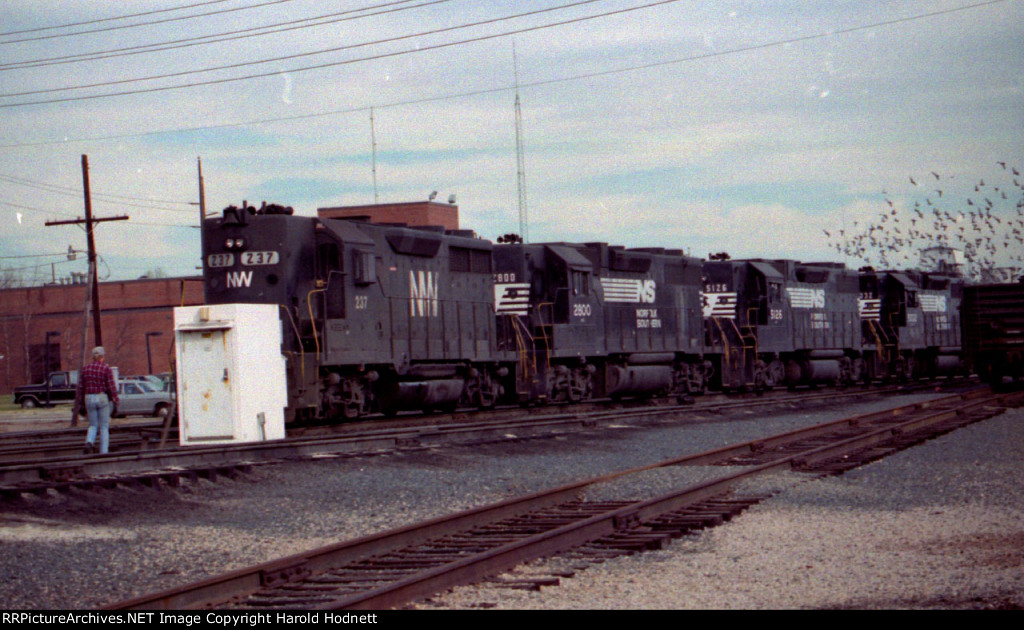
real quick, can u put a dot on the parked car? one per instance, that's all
(168, 380)
(62, 390)
(154, 381)
(140, 398)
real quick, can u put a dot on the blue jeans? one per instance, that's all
(97, 406)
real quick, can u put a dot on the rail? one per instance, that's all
(392, 568)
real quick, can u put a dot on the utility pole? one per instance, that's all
(202, 194)
(92, 294)
(202, 222)
(89, 221)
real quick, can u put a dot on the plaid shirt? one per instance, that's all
(97, 378)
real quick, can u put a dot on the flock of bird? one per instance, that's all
(985, 221)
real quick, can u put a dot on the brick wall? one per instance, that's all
(130, 309)
(412, 213)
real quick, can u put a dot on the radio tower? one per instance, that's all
(520, 154)
(373, 148)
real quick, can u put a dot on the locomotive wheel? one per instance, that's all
(764, 378)
(353, 399)
(580, 385)
(483, 391)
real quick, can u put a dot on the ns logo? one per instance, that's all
(647, 289)
(423, 293)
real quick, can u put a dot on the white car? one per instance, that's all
(141, 398)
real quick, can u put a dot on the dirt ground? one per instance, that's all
(53, 419)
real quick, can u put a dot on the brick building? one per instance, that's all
(411, 213)
(134, 312)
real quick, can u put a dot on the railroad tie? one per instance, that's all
(523, 583)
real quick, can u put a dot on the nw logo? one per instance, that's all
(239, 279)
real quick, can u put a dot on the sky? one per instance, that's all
(750, 127)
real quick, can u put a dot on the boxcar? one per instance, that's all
(993, 331)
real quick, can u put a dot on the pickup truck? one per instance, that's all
(62, 390)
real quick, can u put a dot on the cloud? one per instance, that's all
(695, 145)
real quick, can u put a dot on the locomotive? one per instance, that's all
(376, 317)
(598, 320)
(911, 324)
(381, 318)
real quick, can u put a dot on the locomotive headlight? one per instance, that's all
(239, 243)
(229, 244)
(234, 243)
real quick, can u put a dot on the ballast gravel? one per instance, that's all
(939, 525)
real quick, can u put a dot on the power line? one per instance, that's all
(419, 49)
(256, 31)
(234, 66)
(507, 88)
(37, 266)
(124, 17)
(106, 198)
(61, 254)
(32, 209)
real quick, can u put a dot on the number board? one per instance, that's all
(260, 258)
(220, 260)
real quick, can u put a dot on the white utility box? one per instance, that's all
(231, 374)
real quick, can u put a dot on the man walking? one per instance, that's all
(98, 390)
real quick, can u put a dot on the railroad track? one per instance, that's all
(59, 466)
(393, 568)
(68, 443)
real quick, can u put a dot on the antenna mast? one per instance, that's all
(520, 154)
(373, 148)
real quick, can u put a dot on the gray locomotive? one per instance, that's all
(376, 317)
(593, 320)
(380, 318)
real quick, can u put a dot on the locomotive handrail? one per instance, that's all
(543, 329)
(722, 336)
(298, 338)
(753, 309)
(312, 320)
(520, 330)
(896, 344)
(746, 338)
(881, 339)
